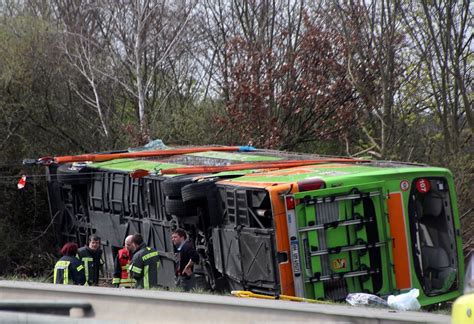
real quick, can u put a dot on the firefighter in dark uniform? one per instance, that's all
(122, 262)
(69, 270)
(91, 257)
(145, 263)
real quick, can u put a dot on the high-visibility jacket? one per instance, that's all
(69, 271)
(121, 275)
(144, 267)
(93, 263)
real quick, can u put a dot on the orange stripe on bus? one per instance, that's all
(249, 184)
(281, 235)
(284, 164)
(401, 259)
(100, 157)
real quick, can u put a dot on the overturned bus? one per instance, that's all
(268, 221)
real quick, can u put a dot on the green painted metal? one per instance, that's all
(334, 236)
(133, 164)
(393, 185)
(385, 181)
(328, 172)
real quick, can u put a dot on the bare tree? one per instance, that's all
(441, 34)
(373, 36)
(140, 40)
(128, 42)
(81, 23)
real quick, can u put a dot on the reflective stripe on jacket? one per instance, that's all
(144, 267)
(121, 275)
(69, 271)
(92, 261)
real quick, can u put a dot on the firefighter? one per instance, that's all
(91, 257)
(69, 270)
(122, 261)
(145, 263)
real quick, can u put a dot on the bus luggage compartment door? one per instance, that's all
(245, 257)
(338, 240)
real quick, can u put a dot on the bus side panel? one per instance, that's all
(400, 251)
(281, 237)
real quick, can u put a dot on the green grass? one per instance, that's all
(441, 308)
(43, 279)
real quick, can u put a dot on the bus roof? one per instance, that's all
(210, 158)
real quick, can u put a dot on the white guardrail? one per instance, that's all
(115, 305)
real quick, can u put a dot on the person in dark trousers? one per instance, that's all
(122, 262)
(145, 263)
(186, 257)
(91, 257)
(69, 270)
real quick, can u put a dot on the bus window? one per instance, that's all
(432, 233)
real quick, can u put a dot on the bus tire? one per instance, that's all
(172, 187)
(197, 191)
(177, 208)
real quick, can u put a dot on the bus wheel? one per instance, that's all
(197, 191)
(177, 208)
(172, 186)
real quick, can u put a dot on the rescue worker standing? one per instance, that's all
(69, 270)
(186, 257)
(91, 257)
(145, 263)
(122, 261)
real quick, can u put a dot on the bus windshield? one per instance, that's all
(433, 236)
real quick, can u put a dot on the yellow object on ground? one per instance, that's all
(249, 294)
(463, 310)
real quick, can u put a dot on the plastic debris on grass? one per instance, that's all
(363, 299)
(404, 302)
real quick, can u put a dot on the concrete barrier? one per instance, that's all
(9, 317)
(77, 308)
(138, 306)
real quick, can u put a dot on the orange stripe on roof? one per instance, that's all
(284, 164)
(401, 259)
(99, 157)
(249, 184)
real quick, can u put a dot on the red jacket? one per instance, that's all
(121, 276)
